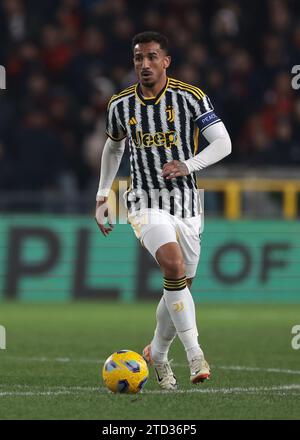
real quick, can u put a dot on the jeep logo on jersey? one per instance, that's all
(145, 140)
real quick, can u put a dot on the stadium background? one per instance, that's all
(63, 61)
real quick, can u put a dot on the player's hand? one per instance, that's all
(173, 169)
(102, 216)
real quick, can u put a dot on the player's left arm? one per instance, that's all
(219, 146)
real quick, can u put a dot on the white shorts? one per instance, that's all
(154, 228)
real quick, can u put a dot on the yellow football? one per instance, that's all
(125, 371)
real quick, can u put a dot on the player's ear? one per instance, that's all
(167, 61)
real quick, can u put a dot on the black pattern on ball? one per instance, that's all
(123, 386)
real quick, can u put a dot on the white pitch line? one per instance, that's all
(237, 390)
(63, 391)
(33, 394)
(268, 370)
(51, 391)
(60, 387)
(64, 360)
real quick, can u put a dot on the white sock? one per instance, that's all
(188, 339)
(181, 306)
(164, 334)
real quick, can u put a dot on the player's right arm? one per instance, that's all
(111, 159)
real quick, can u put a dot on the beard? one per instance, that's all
(148, 84)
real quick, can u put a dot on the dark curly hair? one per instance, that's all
(147, 37)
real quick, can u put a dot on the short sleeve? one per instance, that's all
(203, 113)
(114, 128)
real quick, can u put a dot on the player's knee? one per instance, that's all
(174, 268)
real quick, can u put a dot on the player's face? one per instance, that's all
(150, 62)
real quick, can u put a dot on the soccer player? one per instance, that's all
(160, 117)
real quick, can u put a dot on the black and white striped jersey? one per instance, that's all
(159, 130)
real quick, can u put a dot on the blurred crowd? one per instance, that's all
(65, 58)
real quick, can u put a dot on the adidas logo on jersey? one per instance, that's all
(132, 121)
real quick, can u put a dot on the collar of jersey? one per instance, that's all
(150, 101)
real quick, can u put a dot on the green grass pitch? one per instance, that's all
(51, 367)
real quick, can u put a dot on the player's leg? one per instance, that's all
(189, 241)
(162, 236)
(153, 229)
(156, 353)
(177, 301)
(164, 333)
(178, 298)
